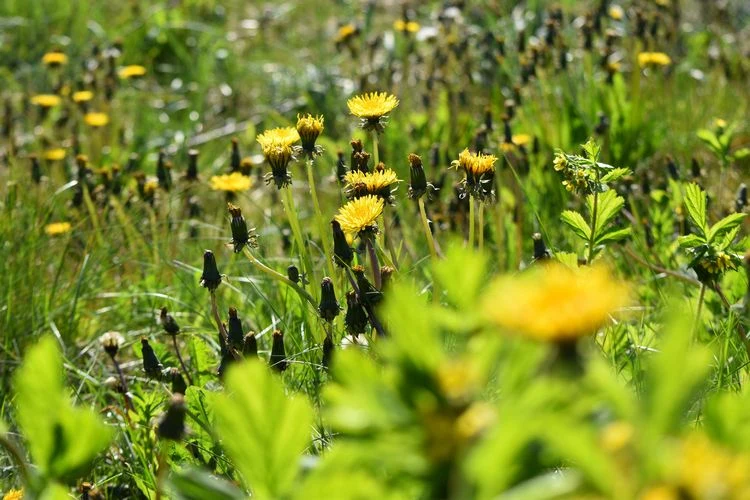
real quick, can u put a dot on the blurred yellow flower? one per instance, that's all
(54, 154)
(653, 59)
(45, 100)
(616, 12)
(617, 436)
(233, 183)
(720, 123)
(96, 119)
(517, 140)
(360, 215)
(373, 105)
(14, 495)
(345, 32)
(661, 492)
(57, 228)
(406, 26)
(83, 96)
(132, 71)
(554, 303)
(707, 470)
(54, 58)
(475, 163)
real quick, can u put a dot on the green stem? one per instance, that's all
(291, 213)
(182, 362)
(696, 323)
(590, 257)
(471, 221)
(280, 278)
(375, 153)
(319, 216)
(427, 231)
(17, 457)
(480, 227)
(376, 275)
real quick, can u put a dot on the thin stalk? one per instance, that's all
(217, 319)
(124, 384)
(319, 218)
(427, 230)
(17, 455)
(280, 277)
(179, 358)
(593, 229)
(374, 262)
(388, 241)
(291, 213)
(698, 311)
(375, 153)
(471, 221)
(480, 226)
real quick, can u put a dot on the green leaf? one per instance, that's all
(263, 430)
(695, 204)
(710, 139)
(63, 440)
(691, 241)
(616, 174)
(614, 235)
(568, 258)
(608, 205)
(461, 274)
(741, 153)
(193, 483)
(724, 226)
(576, 223)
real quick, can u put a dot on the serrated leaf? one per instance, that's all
(616, 174)
(608, 205)
(567, 258)
(695, 204)
(577, 223)
(263, 430)
(724, 226)
(728, 238)
(691, 241)
(63, 440)
(710, 139)
(614, 235)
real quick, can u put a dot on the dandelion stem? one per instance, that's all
(291, 213)
(370, 311)
(179, 358)
(374, 262)
(217, 318)
(480, 227)
(319, 216)
(471, 221)
(280, 277)
(427, 230)
(124, 384)
(701, 296)
(375, 153)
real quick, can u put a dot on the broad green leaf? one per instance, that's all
(568, 258)
(724, 226)
(710, 139)
(741, 153)
(63, 440)
(263, 430)
(193, 483)
(614, 175)
(461, 274)
(691, 241)
(614, 235)
(728, 238)
(608, 205)
(695, 204)
(576, 223)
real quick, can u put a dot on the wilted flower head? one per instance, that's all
(151, 364)
(57, 228)
(356, 316)
(241, 235)
(653, 59)
(211, 278)
(373, 109)
(378, 182)
(360, 215)
(131, 71)
(554, 303)
(309, 127)
(96, 119)
(235, 335)
(231, 183)
(168, 322)
(111, 342)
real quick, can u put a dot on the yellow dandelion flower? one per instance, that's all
(616, 12)
(517, 140)
(275, 137)
(96, 119)
(57, 228)
(662, 3)
(232, 183)
(661, 492)
(372, 106)
(150, 186)
(46, 100)
(309, 128)
(131, 71)
(653, 59)
(720, 123)
(705, 469)
(406, 26)
(617, 435)
(54, 154)
(379, 183)
(554, 303)
(55, 58)
(360, 215)
(14, 495)
(345, 32)
(82, 96)
(476, 163)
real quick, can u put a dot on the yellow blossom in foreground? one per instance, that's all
(55, 58)
(45, 100)
(234, 182)
(57, 228)
(475, 163)
(706, 470)
(661, 492)
(277, 137)
(406, 26)
(54, 154)
(653, 59)
(96, 119)
(83, 96)
(132, 71)
(373, 105)
(360, 214)
(14, 495)
(554, 303)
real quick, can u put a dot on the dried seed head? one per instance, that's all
(278, 353)
(211, 278)
(111, 342)
(329, 306)
(171, 424)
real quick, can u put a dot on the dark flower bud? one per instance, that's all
(235, 335)
(246, 166)
(695, 167)
(510, 108)
(178, 382)
(241, 235)
(250, 346)
(192, 168)
(741, 202)
(356, 316)
(329, 306)
(151, 364)
(327, 351)
(540, 249)
(360, 161)
(235, 159)
(168, 322)
(674, 173)
(368, 294)
(172, 422)
(603, 125)
(340, 167)
(342, 252)
(194, 207)
(211, 278)
(418, 185)
(386, 276)
(36, 169)
(292, 272)
(278, 353)
(163, 172)
(507, 131)
(133, 163)
(227, 358)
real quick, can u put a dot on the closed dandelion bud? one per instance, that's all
(360, 161)
(163, 172)
(192, 169)
(309, 128)
(211, 278)
(151, 364)
(171, 424)
(36, 169)
(672, 168)
(327, 351)
(235, 159)
(510, 108)
(386, 277)
(168, 322)
(235, 334)
(329, 306)
(741, 202)
(292, 272)
(507, 131)
(355, 319)
(111, 342)
(695, 167)
(368, 294)
(278, 353)
(178, 382)
(246, 166)
(241, 235)
(340, 167)
(418, 184)
(342, 252)
(250, 346)
(540, 249)
(603, 125)
(227, 358)
(133, 163)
